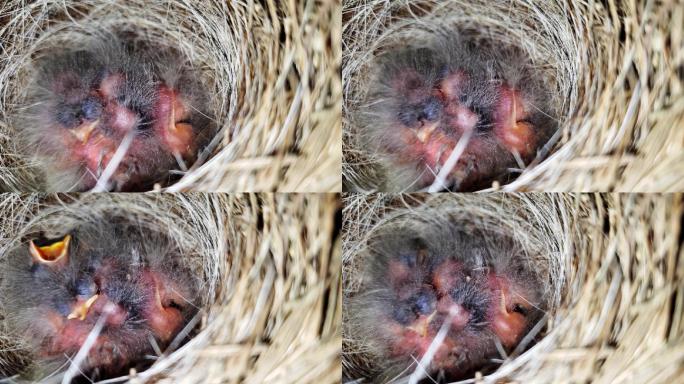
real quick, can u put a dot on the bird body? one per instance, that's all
(114, 103)
(121, 286)
(475, 99)
(421, 279)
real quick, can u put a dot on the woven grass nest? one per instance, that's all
(271, 70)
(269, 266)
(616, 69)
(616, 299)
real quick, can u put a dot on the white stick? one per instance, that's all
(420, 371)
(456, 153)
(74, 368)
(113, 164)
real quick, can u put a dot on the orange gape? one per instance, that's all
(52, 253)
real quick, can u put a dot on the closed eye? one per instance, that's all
(520, 309)
(174, 305)
(144, 124)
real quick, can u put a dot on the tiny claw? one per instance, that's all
(53, 253)
(83, 132)
(81, 311)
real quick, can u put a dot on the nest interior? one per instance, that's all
(615, 273)
(270, 271)
(618, 73)
(271, 70)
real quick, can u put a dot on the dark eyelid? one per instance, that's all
(144, 124)
(520, 309)
(85, 287)
(91, 108)
(62, 307)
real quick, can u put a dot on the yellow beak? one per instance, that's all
(83, 132)
(422, 325)
(81, 311)
(425, 132)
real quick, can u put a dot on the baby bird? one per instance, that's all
(120, 287)
(425, 100)
(420, 280)
(117, 113)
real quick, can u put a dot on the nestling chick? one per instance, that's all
(422, 278)
(129, 281)
(114, 95)
(425, 99)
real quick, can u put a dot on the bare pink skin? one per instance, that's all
(73, 334)
(164, 320)
(169, 111)
(510, 128)
(506, 323)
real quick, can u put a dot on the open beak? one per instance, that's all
(82, 309)
(50, 254)
(83, 132)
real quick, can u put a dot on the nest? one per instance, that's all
(271, 71)
(616, 301)
(269, 268)
(618, 84)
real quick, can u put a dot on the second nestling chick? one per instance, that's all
(485, 104)
(420, 279)
(123, 287)
(138, 110)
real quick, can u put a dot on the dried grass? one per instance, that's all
(618, 73)
(617, 265)
(271, 69)
(270, 264)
